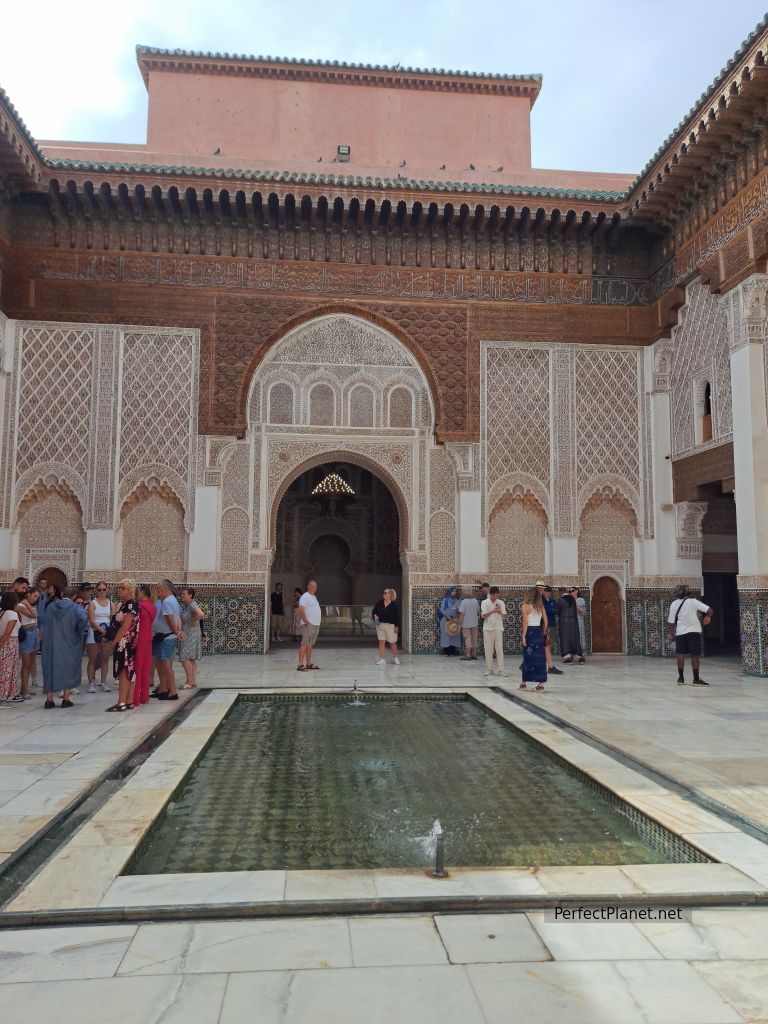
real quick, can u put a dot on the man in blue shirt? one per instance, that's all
(165, 633)
(550, 607)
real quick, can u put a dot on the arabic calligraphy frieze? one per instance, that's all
(199, 272)
(741, 211)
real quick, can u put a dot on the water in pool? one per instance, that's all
(330, 783)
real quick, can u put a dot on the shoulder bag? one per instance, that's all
(677, 616)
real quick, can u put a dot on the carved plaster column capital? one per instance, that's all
(688, 518)
(747, 307)
(663, 351)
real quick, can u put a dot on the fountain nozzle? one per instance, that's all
(439, 871)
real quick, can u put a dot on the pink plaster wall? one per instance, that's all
(280, 122)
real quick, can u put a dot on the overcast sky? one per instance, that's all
(618, 75)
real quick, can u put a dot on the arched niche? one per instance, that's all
(341, 352)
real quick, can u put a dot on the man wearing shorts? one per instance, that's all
(277, 608)
(469, 615)
(309, 613)
(165, 632)
(684, 627)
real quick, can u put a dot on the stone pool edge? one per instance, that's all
(86, 873)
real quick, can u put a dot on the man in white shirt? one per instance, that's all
(309, 613)
(494, 613)
(684, 628)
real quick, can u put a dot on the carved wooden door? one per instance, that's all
(606, 613)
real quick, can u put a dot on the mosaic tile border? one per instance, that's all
(646, 611)
(753, 617)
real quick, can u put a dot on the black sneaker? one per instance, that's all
(67, 704)
(555, 671)
(681, 681)
(699, 682)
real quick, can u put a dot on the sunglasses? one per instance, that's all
(101, 590)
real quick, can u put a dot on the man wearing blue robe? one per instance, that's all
(65, 626)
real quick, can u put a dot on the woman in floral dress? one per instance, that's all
(9, 646)
(125, 625)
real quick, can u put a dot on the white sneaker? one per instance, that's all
(396, 661)
(502, 673)
(487, 673)
(104, 688)
(91, 689)
(381, 662)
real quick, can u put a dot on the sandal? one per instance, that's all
(302, 668)
(313, 666)
(118, 707)
(522, 686)
(540, 688)
(189, 686)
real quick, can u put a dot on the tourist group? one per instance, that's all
(143, 630)
(549, 622)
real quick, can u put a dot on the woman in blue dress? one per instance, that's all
(534, 667)
(449, 609)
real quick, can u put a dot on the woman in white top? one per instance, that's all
(9, 648)
(100, 612)
(27, 610)
(534, 667)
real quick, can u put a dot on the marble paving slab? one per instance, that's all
(375, 995)
(59, 954)
(233, 946)
(167, 999)
(598, 992)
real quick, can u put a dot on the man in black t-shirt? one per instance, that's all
(276, 618)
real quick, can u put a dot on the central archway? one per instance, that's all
(334, 456)
(348, 543)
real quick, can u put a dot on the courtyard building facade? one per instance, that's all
(277, 343)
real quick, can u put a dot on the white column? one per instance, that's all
(562, 556)
(747, 336)
(100, 550)
(473, 547)
(203, 541)
(669, 552)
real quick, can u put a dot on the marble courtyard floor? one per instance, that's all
(489, 968)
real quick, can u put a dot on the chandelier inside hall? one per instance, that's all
(333, 494)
